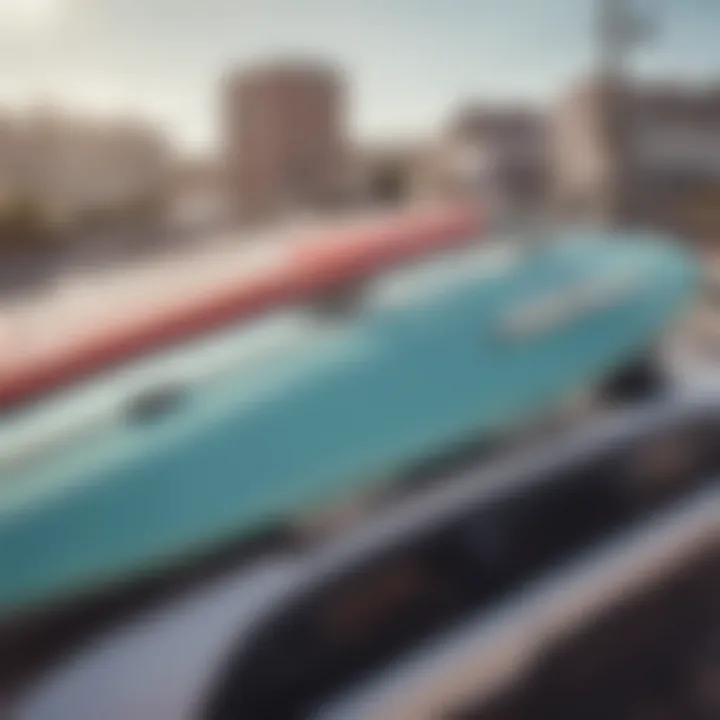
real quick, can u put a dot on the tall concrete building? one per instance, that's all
(284, 139)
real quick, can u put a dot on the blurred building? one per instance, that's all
(7, 152)
(670, 156)
(285, 143)
(581, 152)
(71, 169)
(498, 154)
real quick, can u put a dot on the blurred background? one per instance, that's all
(125, 127)
(157, 154)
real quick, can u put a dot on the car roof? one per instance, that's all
(199, 632)
(484, 655)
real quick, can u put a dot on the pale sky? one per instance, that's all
(408, 62)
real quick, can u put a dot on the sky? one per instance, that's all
(408, 63)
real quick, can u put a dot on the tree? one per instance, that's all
(25, 226)
(388, 183)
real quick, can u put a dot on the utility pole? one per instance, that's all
(620, 29)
